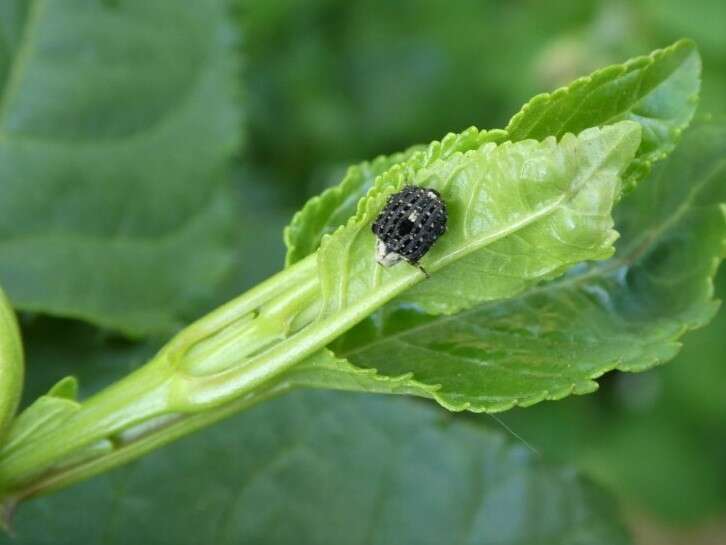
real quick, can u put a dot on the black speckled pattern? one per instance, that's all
(411, 239)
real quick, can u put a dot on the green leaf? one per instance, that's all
(11, 365)
(323, 214)
(626, 313)
(552, 194)
(701, 390)
(325, 370)
(659, 91)
(518, 213)
(116, 123)
(325, 468)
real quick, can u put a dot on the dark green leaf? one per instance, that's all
(326, 468)
(45, 414)
(323, 214)
(116, 121)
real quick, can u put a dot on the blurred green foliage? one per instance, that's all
(334, 82)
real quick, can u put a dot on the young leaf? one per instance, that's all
(647, 426)
(334, 469)
(659, 91)
(116, 122)
(626, 313)
(323, 214)
(11, 365)
(518, 213)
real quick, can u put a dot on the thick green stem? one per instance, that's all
(228, 360)
(155, 391)
(153, 438)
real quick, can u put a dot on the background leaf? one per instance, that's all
(322, 214)
(329, 468)
(626, 313)
(116, 122)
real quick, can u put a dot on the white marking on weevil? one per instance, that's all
(386, 258)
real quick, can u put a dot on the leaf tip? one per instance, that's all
(65, 388)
